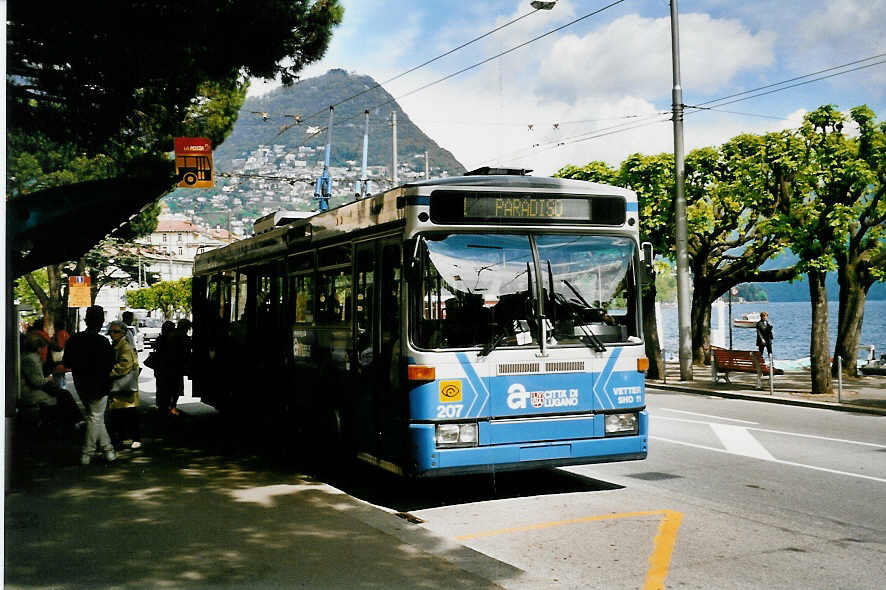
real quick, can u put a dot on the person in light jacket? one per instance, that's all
(124, 416)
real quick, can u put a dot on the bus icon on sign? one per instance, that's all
(193, 169)
(193, 162)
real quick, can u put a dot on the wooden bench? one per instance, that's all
(725, 361)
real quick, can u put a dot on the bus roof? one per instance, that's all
(272, 240)
(528, 182)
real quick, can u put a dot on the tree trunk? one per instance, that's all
(853, 296)
(57, 304)
(700, 318)
(650, 332)
(819, 345)
(41, 295)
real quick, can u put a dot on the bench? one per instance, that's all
(725, 361)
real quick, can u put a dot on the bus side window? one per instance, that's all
(302, 293)
(333, 292)
(364, 287)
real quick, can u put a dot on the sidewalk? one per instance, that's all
(204, 506)
(860, 394)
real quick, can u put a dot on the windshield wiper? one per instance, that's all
(581, 299)
(553, 295)
(595, 342)
(533, 307)
(491, 345)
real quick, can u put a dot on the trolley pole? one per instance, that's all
(683, 293)
(394, 149)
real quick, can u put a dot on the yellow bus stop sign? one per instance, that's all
(79, 291)
(193, 162)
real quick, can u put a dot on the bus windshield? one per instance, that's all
(484, 290)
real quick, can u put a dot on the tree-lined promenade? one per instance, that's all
(817, 190)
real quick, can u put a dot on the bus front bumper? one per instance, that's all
(432, 461)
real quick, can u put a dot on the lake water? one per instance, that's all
(791, 325)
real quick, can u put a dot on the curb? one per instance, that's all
(771, 399)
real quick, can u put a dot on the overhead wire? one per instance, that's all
(482, 62)
(430, 61)
(639, 121)
(745, 95)
(803, 83)
(857, 61)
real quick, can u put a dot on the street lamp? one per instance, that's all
(732, 291)
(538, 5)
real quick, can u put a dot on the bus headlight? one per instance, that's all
(621, 423)
(456, 435)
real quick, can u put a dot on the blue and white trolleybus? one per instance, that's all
(447, 326)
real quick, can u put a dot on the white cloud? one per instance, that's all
(840, 32)
(852, 19)
(632, 55)
(589, 81)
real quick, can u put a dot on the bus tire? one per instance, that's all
(190, 178)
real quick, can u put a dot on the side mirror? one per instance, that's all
(647, 274)
(646, 248)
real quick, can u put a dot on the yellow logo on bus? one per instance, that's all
(450, 391)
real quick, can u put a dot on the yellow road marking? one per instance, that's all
(662, 548)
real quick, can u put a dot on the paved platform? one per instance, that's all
(859, 394)
(198, 508)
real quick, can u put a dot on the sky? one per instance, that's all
(601, 88)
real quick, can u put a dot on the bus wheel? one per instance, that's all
(190, 178)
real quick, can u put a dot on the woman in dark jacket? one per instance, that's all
(168, 368)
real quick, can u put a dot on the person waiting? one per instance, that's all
(40, 398)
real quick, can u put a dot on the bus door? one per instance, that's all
(392, 403)
(364, 365)
(380, 411)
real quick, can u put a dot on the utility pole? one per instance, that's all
(394, 127)
(683, 292)
(427, 167)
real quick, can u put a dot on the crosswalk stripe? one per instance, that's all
(739, 441)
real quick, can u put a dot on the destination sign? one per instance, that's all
(500, 207)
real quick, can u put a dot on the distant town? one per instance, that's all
(278, 177)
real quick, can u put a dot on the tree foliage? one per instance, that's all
(815, 190)
(168, 297)
(98, 92)
(110, 77)
(838, 225)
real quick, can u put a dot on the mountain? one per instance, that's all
(271, 160)
(312, 97)
(799, 289)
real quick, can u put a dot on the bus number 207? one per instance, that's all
(450, 411)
